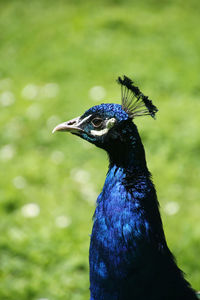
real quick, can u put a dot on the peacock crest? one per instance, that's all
(134, 102)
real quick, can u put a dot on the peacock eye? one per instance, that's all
(97, 122)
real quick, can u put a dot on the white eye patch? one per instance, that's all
(109, 124)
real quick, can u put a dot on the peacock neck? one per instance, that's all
(128, 152)
(122, 220)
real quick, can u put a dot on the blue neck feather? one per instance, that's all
(128, 245)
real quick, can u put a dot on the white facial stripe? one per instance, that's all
(99, 132)
(110, 123)
(85, 119)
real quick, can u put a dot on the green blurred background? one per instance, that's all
(57, 59)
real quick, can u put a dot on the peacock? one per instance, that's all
(129, 257)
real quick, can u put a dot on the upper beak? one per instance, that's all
(71, 126)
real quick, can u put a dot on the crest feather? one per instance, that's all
(133, 101)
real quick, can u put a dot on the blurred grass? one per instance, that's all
(52, 53)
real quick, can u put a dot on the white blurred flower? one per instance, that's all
(16, 234)
(7, 152)
(30, 91)
(80, 175)
(97, 93)
(53, 121)
(30, 210)
(34, 112)
(42, 299)
(50, 90)
(19, 182)
(7, 98)
(13, 129)
(57, 157)
(5, 83)
(63, 221)
(171, 208)
(89, 193)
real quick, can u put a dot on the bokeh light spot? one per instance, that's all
(63, 221)
(19, 182)
(30, 210)
(97, 93)
(171, 208)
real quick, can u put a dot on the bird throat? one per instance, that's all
(127, 152)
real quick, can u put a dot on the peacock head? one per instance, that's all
(105, 124)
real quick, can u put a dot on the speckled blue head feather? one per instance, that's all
(110, 110)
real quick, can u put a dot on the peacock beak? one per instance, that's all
(72, 126)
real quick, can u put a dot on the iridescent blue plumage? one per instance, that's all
(129, 257)
(108, 109)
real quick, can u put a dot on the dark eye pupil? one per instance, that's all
(97, 122)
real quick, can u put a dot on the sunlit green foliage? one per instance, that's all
(51, 54)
